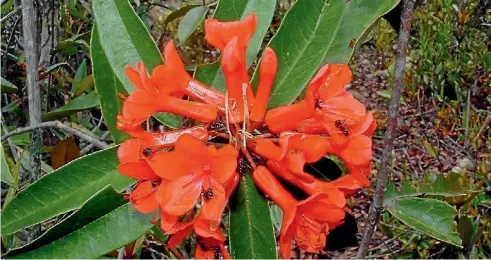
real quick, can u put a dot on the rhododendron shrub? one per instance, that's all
(188, 175)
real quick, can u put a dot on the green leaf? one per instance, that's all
(190, 22)
(107, 86)
(79, 74)
(178, 13)
(125, 41)
(98, 205)
(5, 174)
(231, 10)
(63, 190)
(392, 193)
(251, 234)
(109, 232)
(433, 217)
(316, 32)
(6, 5)
(84, 85)
(452, 185)
(78, 104)
(8, 87)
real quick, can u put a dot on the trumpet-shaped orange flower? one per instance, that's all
(267, 74)
(307, 222)
(326, 102)
(172, 78)
(148, 99)
(194, 170)
(134, 153)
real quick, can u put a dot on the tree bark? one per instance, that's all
(31, 50)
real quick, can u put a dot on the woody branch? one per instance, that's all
(383, 176)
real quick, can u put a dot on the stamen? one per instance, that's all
(227, 110)
(246, 114)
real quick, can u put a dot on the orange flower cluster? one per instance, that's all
(189, 176)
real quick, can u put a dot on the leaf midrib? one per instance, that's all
(58, 201)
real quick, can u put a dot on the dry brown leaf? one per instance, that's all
(64, 152)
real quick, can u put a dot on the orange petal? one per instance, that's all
(268, 149)
(267, 73)
(285, 243)
(201, 92)
(314, 147)
(287, 117)
(134, 76)
(198, 111)
(213, 206)
(358, 150)
(266, 181)
(311, 126)
(348, 184)
(202, 229)
(167, 139)
(130, 151)
(330, 81)
(218, 34)
(223, 167)
(143, 197)
(171, 76)
(139, 170)
(182, 195)
(295, 162)
(178, 237)
(170, 165)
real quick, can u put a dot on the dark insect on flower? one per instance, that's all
(341, 126)
(147, 151)
(242, 165)
(217, 125)
(352, 43)
(208, 194)
(154, 184)
(216, 251)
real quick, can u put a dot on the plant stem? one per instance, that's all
(57, 124)
(383, 176)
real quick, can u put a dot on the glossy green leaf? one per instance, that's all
(8, 87)
(190, 22)
(232, 10)
(98, 205)
(433, 217)
(5, 174)
(73, 106)
(316, 32)
(251, 234)
(108, 87)
(178, 13)
(125, 41)
(63, 190)
(109, 232)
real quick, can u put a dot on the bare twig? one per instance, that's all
(34, 94)
(57, 124)
(90, 146)
(383, 176)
